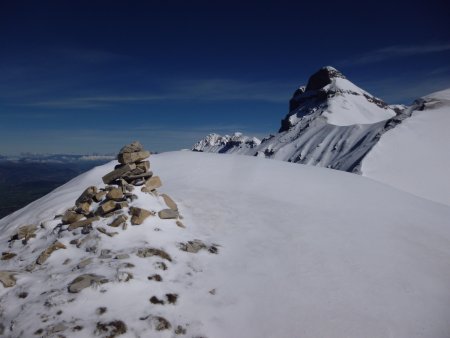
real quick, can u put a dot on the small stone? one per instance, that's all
(7, 278)
(71, 216)
(124, 276)
(84, 281)
(101, 310)
(118, 221)
(122, 205)
(23, 295)
(161, 323)
(156, 300)
(180, 330)
(149, 252)
(117, 173)
(180, 224)
(47, 252)
(152, 183)
(84, 208)
(84, 263)
(111, 329)
(168, 214)
(139, 215)
(98, 197)
(122, 256)
(192, 246)
(25, 232)
(7, 255)
(86, 196)
(169, 202)
(136, 156)
(161, 266)
(106, 207)
(171, 298)
(132, 148)
(115, 194)
(105, 253)
(67, 261)
(82, 223)
(106, 232)
(155, 277)
(57, 328)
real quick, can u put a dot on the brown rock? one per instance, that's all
(137, 156)
(8, 255)
(117, 173)
(138, 176)
(82, 223)
(84, 208)
(87, 195)
(144, 165)
(149, 252)
(180, 224)
(122, 205)
(132, 148)
(7, 278)
(25, 232)
(106, 208)
(139, 215)
(71, 216)
(169, 202)
(98, 197)
(47, 252)
(168, 214)
(118, 221)
(115, 194)
(106, 232)
(153, 183)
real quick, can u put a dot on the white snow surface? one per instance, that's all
(415, 156)
(304, 252)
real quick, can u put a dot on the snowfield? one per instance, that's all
(303, 252)
(415, 156)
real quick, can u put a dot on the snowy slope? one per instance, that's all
(415, 156)
(331, 123)
(303, 252)
(235, 144)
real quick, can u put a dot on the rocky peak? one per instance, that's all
(323, 77)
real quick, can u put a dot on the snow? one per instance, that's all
(303, 252)
(415, 155)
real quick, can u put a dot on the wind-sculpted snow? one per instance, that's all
(303, 252)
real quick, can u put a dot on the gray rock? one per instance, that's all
(87, 195)
(122, 256)
(118, 221)
(132, 147)
(152, 183)
(149, 252)
(144, 165)
(168, 214)
(84, 263)
(71, 216)
(106, 207)
(25, 232)
(117, 173)
(7, 278)
(115, 194)
(169, 202)
(84, 281)
(193, 246)
(105, 253)
(47, 252)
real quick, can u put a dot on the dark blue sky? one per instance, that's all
(82, 77)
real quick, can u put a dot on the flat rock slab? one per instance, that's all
(71, 216)
(137, 156)
(87, 195)
(132, 147)
(152, 183)
(169, 202)
(47, 252)
(115, 194)
(7, 278)
(83, 223)
(106, 207)
(117, 173)
(149, 252)
(139, 215)
(118, 221)
(25, 232)
(84, 281)
(168, 214)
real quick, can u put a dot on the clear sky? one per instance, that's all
(89, 76)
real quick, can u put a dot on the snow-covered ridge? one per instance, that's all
(237, 143)
(304, 252)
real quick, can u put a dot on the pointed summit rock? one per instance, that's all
(323, 77)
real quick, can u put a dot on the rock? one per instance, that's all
(7, 255)
(169, 202)
(155, 277)
(171, 298)
(124, 276)
(122, 205)
(132, 148)
(83, 223)
(192, 246)
(98, 197)
(7, 279)
(115, 194)
(118, 221)
(106, 207)
(156, 300)
(87, 195)
(111, 329)
(144, 165)
(106, 232)
(84, 281)
(101, 310)
(138, 176)
(149, 252)
(180, 224)
(139, 215)
(161, 323)
(71, 216)
(137, 156)
(84, 263)
(47, 252)
(25, 232)
(105, 253)
(84, 208)
(168, 214)
(122, 256)
(117, 173)
(180, 330)
(152, 183)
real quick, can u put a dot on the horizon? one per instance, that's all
(90, 77)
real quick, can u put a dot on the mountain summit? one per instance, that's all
(331, 123)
